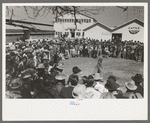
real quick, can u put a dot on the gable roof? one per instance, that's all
(98, 24)
(129, 22)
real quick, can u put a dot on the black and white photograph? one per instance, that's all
(75, 53)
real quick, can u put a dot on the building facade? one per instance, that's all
(132, 30)
(88, 27)
(65, 25)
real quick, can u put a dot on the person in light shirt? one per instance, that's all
(91, 93)
(99, 83)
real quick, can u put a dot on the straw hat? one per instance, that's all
(60, 76)
(135, 96)
(131, 85)
(60, 66)
(97, 77)
(79, 91)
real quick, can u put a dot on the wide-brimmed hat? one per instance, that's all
(60, 66)
(41, 66)
(76, 70)
(137, 78)
(79, 91)
(27, 75)
(135, 96)
(24, 74)
(131, 85)
(15, 83)
(45, 58)
(111, 83)
(107, 95)
(97, 77)
(60, 76)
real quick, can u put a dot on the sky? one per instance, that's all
(111, 16)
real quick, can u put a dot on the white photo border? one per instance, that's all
(60, 109)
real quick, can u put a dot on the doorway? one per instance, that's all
(117, 37)
(72, 34)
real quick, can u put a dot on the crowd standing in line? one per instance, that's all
(34, 70)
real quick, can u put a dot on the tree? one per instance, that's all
(35, 11)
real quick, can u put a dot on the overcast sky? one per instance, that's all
(109, 15)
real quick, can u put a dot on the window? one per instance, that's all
(83, 34)
(56, 33)
(78, 34)
(89, 20)
(79, 20)
(70, 20)
(65, 20)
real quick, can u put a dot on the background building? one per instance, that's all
(24, 30)
(65, 25)
(132, 30)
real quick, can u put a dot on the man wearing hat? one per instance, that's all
(59, 84)
(25, 88)
(91, 93)
(79, 92)
(113, 87)
(39, 76)
(99, 68)
(77, 72)
(66, 92)
(134, 86)
(99, 83)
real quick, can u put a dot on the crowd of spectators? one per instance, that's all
(34, 69)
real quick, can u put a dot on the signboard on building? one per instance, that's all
(134, 30)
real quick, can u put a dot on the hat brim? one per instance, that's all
(26, 76)
(114, 88)
(130, 88)
(98, 79)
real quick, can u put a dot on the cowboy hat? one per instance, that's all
(15, 83)
(97, 77)
(60, 76)
(41, 66)
(131, 85)
(76, 70)
(60, 66)
(107, 95)
(79, 91)
(137, 78)
(111, 83)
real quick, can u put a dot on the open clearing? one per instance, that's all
(122, 69)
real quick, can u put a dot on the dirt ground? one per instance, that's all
(122, 69)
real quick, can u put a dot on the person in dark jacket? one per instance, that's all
(66, 92)
(113, 88)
